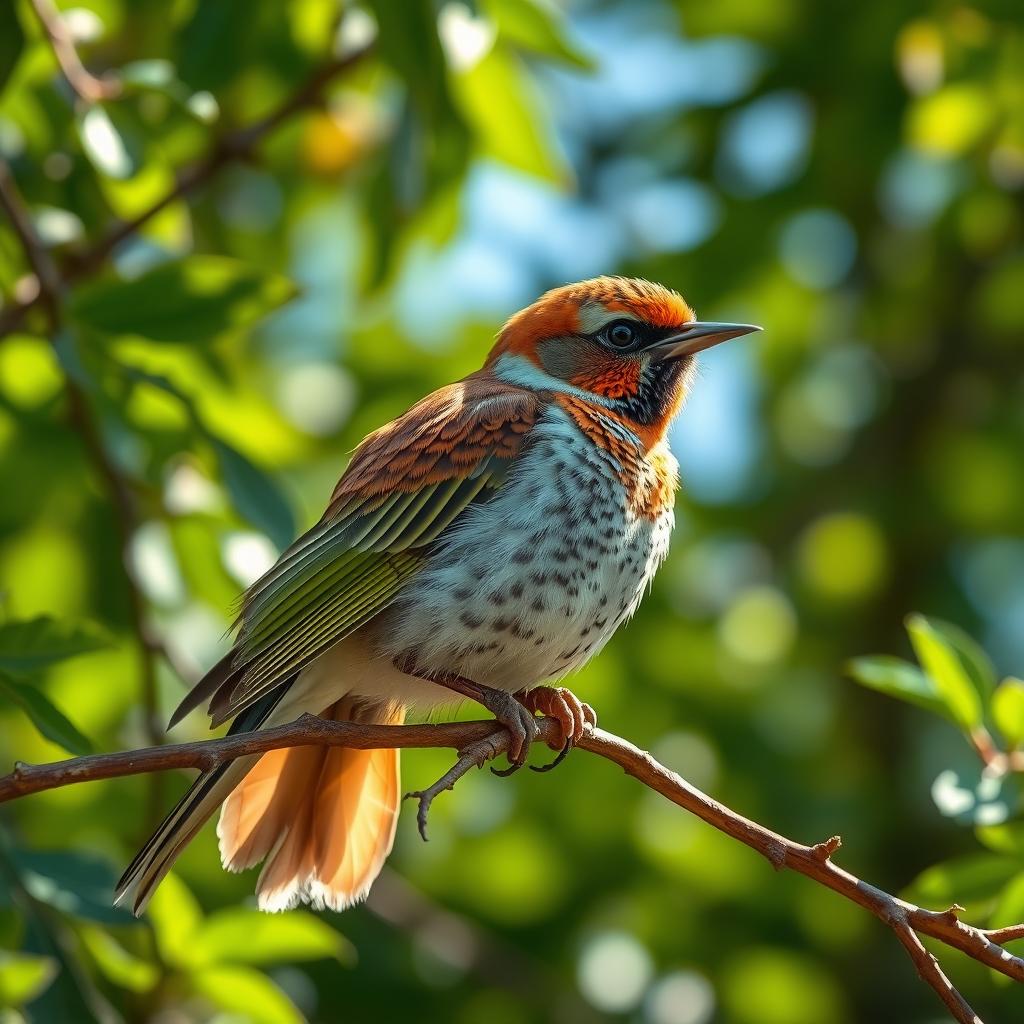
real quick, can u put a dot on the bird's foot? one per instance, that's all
(564, 707)
(518, 719)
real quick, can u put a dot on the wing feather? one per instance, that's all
(406, 484)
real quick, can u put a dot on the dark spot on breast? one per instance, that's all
(496, 598)
(470, 620)
(516, 590)
(523, 556)
(538, 604)
(501, 624)
(462, 594)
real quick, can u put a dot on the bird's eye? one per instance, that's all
(621, 334)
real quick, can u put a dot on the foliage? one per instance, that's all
(957, 680)
(848, 176)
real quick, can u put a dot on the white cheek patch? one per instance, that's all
(593, 316)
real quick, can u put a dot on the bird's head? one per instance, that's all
(625, 343)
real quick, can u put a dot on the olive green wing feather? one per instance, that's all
(406, 484)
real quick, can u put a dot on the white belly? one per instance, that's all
(533, 583)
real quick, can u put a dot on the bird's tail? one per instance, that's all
(190, 813)
(322, 819)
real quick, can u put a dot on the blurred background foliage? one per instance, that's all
(849, 175)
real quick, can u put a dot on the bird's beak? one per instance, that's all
(696, 336)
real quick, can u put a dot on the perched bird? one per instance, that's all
(489, 540)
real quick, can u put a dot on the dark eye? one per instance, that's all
(621, 334)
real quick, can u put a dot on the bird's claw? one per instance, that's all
(567, 709)
(520, 722)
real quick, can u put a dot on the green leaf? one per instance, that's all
(1005, 838)
(436, 146)
(256, 496)
(77, 884)
(1008, 711)
(499, 102)
(23, 977)
(12, 40)
(953, 682)
(115, 963)
(247, 993)
(176, 917)
(899, 679)
(110, 142)
(242, 936)
(52, 723)
(28, 645)
(194, 300)
(974, 881)
(1009, 907)
(976, 663)
(537, 26)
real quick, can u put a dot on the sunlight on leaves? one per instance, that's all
(1008, 711)
(44, 715)
(32, 644)
(115, 963)
(247, 993)
(899, 679)
(191, 300)
(947, 671)
(244, 936)
(23, 977)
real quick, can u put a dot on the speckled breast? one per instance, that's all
(530, 585)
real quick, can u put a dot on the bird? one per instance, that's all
(483, 545)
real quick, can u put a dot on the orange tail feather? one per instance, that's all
(322, 818)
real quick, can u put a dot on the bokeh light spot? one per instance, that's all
(682, 997)
(759, 627)
(614, 971)
(817, 248)
(843, 557)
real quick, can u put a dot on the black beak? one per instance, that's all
(697, 336)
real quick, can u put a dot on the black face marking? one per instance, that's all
(657, 391)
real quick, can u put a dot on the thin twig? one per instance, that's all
(235, 145)
(47, 285)
(1007, 934)
(476, 741)
(84, 84)
(930, 971)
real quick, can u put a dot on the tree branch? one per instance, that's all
(233, 146)
(477, 742)
(84, 84)
(46, 288)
